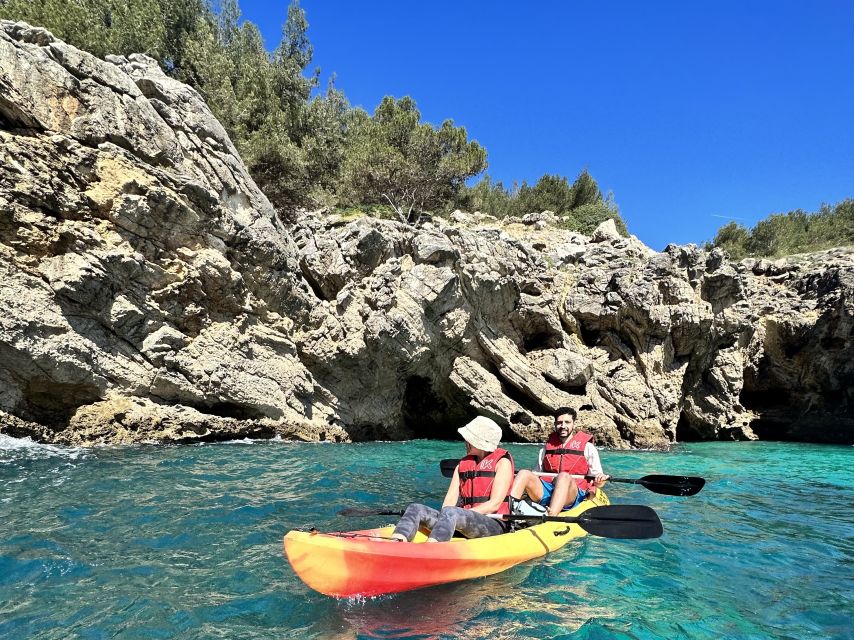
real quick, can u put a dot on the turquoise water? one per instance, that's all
(185, 542)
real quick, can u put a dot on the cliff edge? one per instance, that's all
(151, 293)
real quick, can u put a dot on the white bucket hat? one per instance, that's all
(482, 433)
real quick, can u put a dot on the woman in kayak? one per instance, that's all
(479, 487)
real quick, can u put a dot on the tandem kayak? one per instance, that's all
(360, 563)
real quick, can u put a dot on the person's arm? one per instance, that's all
(453, 494)
(540, 460)
(592, 456)
(500, 488)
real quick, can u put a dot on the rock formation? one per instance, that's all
(139, 259)
(150, 292)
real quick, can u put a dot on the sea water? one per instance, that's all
(186, 542)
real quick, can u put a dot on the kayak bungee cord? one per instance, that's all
(311, 529)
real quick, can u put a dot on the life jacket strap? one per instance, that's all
(469, 475)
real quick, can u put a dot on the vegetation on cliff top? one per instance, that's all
(306, 147)
(782, 234)
(309, 148)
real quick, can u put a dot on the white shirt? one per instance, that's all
(591, 454)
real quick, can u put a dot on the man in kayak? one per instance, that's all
(480, 486)
(568, 454)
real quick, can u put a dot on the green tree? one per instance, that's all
(586, 217)
(550, 193)
(324, 144)
(554, 193)
(585, 191)
(263, 102)
(392, 157)
(833, 225)
(181, 20)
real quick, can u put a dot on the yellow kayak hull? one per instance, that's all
(355, 564)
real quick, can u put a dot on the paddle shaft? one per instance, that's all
(590, 478)
(611, 521)
(663, 484)
(578, 475)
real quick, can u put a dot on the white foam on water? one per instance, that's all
(28, 447)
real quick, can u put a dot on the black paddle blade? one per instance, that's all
(354, 511)
(672, 485)
(447, 467)
(623, 521)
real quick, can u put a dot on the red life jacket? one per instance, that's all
(477, 478)
(568, 457)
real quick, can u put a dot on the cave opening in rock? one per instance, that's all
(232, 410)
(428, 415)
(825, 416)
(686, 432)
(572, 389)
(590, 337)
(540, 340)
(775, 415)
(771, 428)
(763, 400)
(53, 403)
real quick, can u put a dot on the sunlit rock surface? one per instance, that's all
(150, 293)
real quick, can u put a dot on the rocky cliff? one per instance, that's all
(150, 292)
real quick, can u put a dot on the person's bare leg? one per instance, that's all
(565, 491)
(527, 482)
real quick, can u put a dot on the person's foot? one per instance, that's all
(525, 507)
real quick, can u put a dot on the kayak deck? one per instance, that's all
(353, 564)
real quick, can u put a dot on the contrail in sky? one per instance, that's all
(727, 217)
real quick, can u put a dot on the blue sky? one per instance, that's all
(692, 113)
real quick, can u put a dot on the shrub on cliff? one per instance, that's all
(586, 217)
(783, 234)
(579, 206)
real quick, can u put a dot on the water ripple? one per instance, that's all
(185, 541)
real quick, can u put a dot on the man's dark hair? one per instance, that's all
(562, 410)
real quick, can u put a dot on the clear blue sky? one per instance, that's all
(691, 112)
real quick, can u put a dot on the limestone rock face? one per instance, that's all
(137, 256)
(649, 347)
(149, 292)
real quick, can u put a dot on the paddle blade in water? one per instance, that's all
(625, 521)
